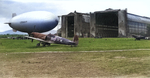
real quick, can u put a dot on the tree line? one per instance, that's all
(11, 35)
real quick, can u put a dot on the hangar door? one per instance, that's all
(106, 23)
(67, 29)
(70, 26)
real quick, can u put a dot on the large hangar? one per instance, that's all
(107, 23)
(75, 23)
(138, 25)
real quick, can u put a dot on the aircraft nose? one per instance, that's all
(56, 20)
(67, 42)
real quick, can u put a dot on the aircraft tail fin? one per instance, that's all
(7, 23)
(14, 14)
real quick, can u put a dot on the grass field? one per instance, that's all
(122, 64)
(76, 64)
(85, 44)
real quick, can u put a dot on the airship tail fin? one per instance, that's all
(7, 23)
(14, 14)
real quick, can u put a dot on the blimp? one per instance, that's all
(35, 21)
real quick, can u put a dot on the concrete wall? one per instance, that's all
(122, 22)
(92, 25)
(64, 27)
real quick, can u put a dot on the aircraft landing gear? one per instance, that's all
(73, 45)
(38, 44)
(48, 44)
(43, 44)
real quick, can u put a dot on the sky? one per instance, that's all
(63, 7)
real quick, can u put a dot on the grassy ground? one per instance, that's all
(85, 44)
(75, 64)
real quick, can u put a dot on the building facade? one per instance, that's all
(75, 23)
(107, 23)
(138, 25)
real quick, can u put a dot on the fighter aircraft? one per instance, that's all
(50, 38)
(139, 37)
(37, 21)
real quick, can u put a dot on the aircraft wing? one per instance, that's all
(47, 41)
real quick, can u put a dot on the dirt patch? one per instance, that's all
(51, 65)
(47, 65)
(119, 57)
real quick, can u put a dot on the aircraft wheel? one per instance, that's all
(48, 44)
(38, 44)
(75, 45)
(44, 44)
